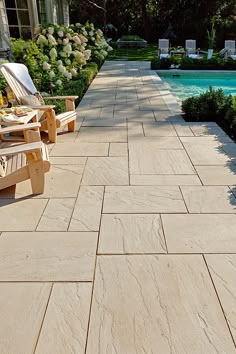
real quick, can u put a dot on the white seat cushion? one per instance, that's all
(164, 56)
(194, 56)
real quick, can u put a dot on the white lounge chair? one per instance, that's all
(191, 51)
(163, 48)
(230, 49)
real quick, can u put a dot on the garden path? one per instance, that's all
(132, 248)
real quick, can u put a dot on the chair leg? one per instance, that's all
(71, 126)
(37, 176)
(51, 125)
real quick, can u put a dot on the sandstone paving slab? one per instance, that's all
(21, 215)
(105, 122)
(65, 325)
(206, 129)
(62, 181)
(22, 308)
(230, 150)
(223, 272)
(57, 215)
(208, 199)
(57, 160)
(87, 212)
(118, 149)
(164, 180)
(106, 171)
(183, 129)
(143, 199)
(159, 129)
(151, 144)
(146, 159)
(217, 175)
(205, 151)
(141, 303)
(135, 130)
(200, 233)
(102, 135)
(80, 149)
(47, 256)
(131, 233)
(66, 136)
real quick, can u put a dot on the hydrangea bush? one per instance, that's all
(58, 53)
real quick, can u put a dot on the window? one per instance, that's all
(18, 18)
(42, 13)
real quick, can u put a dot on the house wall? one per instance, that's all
(65, 12)
(4, 30)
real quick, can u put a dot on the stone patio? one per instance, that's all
(132, 248)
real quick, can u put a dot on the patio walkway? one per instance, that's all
(132, 248)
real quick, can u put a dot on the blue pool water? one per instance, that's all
(184, 84)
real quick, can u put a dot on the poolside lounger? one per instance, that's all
(163, 48)
(191, 51)
(230, 49)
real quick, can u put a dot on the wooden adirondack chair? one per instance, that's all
(26, 161)
(19, 80)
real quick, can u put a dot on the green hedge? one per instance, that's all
(213, 105)
(186, 63)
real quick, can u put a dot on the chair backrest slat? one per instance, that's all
(230, 46)
(163, 45)
(190, 46)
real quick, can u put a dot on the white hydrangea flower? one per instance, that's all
(83, 39)
(42, 40)
(67, 48)
(65, 41)
(50, 30)
(85, 33)
(68, 35)
(58, 82)
(99, 32)
(103, 53)
(46, 58)
(73, 72)
(67, 61)
(60, 33)
(52, 40)
(59, 62)
(46, 66)
(91, 33)
(92, 39)
(44, 31)
(53, 53)
(68, 75)
(51, 74)
(87, 54)
(59, 41)
(62, 54)
(76, 39)
(62, 69)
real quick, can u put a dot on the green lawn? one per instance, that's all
(145, 54)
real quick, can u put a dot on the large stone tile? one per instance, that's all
(106, 171)
(205, 129)
(146, 159)
(102, 135)
(80, 149)
(118, 149)
(143, 199)
(194, 233)
(223, 272)
(205, 151)
(159, 129)
(164, 180)
(156, 304)
(87, 211)
(105, 122)
(217, 175)
(65, 325)
(183, 129)
(47, 256)
(22, 308)
(139, 233)
(57, 160)
(207, 199)
(57, 215)
(62, 181)
(21, 215)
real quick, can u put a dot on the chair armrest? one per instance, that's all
(19, 128)
(17, 149)
(44, 107)
(72, 98)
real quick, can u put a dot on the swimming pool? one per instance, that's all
(184, 84)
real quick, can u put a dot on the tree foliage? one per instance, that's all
(152, 19)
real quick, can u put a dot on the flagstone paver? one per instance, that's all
(131, 249)
(47, 256)
(223, 272)
(65, 325)
(22, 308)
(138, 233)
(205, 233)
(174, 308)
